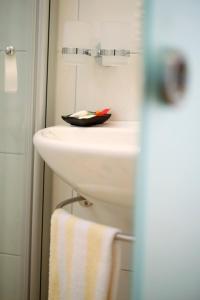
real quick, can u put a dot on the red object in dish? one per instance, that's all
(102, 112)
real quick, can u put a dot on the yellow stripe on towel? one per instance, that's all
(54, 282)
(94, 242)
(82, 255)
(69, 229)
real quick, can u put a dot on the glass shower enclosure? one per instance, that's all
(17, 29)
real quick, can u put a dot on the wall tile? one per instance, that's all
(14, 107)
(12, 203)
(14, 17)
(10, 277)
(113, 87)
(60, 192)
(68, 11)
(64, 97)
(125, 282)
(107, 11)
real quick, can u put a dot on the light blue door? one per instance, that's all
(167, 259)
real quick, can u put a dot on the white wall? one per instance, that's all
(93, 87)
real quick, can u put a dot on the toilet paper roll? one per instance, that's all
(10, 74)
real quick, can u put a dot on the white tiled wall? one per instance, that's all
(93, 87)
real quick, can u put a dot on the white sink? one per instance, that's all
(98, 162)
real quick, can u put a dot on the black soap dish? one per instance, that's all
(86, 122)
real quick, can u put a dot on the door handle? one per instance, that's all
(173, 76)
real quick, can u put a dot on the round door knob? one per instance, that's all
(173, 76)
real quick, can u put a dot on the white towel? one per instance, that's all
(84, 259)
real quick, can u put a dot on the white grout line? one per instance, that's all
(12, 153)
(9, 254)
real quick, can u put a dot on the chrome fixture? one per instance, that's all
(78, 51)
(98, 52)
(113, 43)
(10, 50)
(84, 202)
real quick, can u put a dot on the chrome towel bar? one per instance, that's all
(86, 203)
(98, 52)
(10, 50)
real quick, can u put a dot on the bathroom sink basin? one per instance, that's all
(98, 162)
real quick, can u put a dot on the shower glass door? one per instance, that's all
(167, 249)
(17, 29)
